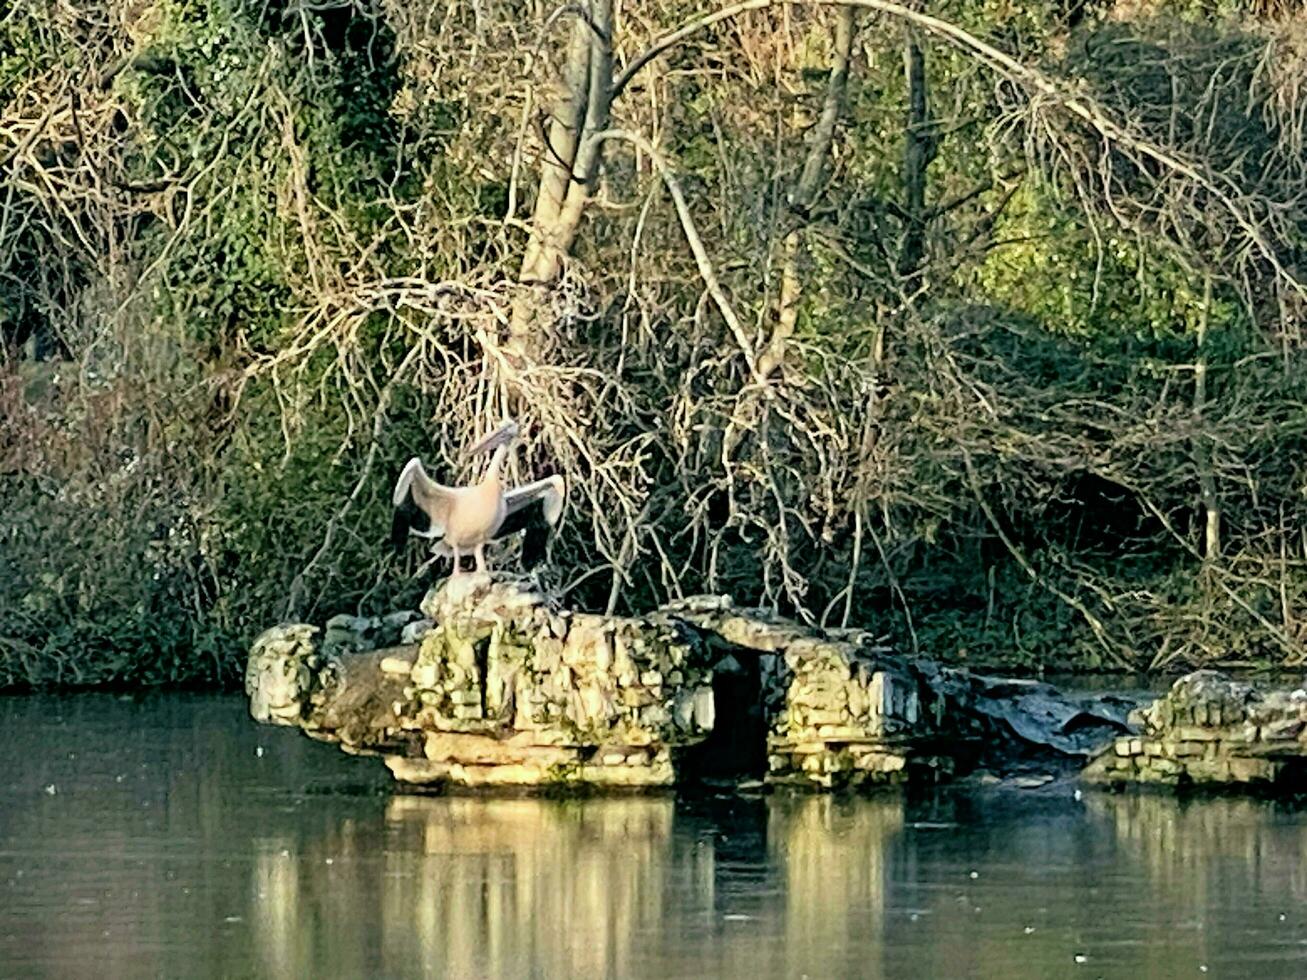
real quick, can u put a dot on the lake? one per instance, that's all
(170, 836)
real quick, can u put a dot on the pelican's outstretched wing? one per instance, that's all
(421, 505)
(548, 493)
(534, 508)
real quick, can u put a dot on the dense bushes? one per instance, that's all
(253, 255)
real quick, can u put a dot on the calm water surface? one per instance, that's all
(172, 837)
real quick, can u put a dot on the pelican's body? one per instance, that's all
(463, 519)
(460, 517)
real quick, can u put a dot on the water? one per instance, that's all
(174, 838)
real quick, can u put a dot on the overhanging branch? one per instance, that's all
(1223, 189)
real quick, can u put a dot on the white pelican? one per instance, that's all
(462, 519)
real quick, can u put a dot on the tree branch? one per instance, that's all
(701, 259)
(1222, 188)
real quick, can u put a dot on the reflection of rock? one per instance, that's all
(794, 884)
(1243, 849)
(1210, 730)
(497, 888)
(275, 894)
(478, 882)
(813, 838)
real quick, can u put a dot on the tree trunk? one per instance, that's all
(805, 193)
(559, 153)
(918, 154)
(1202, 449)
(569, 168)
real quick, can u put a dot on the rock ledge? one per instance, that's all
(1216, 732)
(494, 685)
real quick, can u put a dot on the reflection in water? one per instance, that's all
(1239, 861)
(621, 887)
(834, 854)
(1185, 845)
(473, 887)
(156, 839)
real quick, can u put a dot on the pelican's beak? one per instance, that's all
(505, 433)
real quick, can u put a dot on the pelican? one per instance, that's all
(462, 519)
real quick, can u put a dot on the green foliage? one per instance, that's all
(1082, 282)
(22, 54)
(1003, 469)
(202, 521)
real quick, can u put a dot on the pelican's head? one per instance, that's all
(504, 435)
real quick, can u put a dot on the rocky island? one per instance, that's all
(494, 684)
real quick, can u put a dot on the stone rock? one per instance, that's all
(1210, 730)
(397, 665)
(415, 630)
(842, 709)
(1035, 713)
(281, 673)
(838, 712)
(502, 688)
(1284, 728)
(655, 774)
(1032, 782)
(345, 634)
(349, 700)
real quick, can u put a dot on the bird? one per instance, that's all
(461, 519)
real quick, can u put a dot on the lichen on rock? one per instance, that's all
(839, 711)
(513, 690)
(281, 673)
(503, 688)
